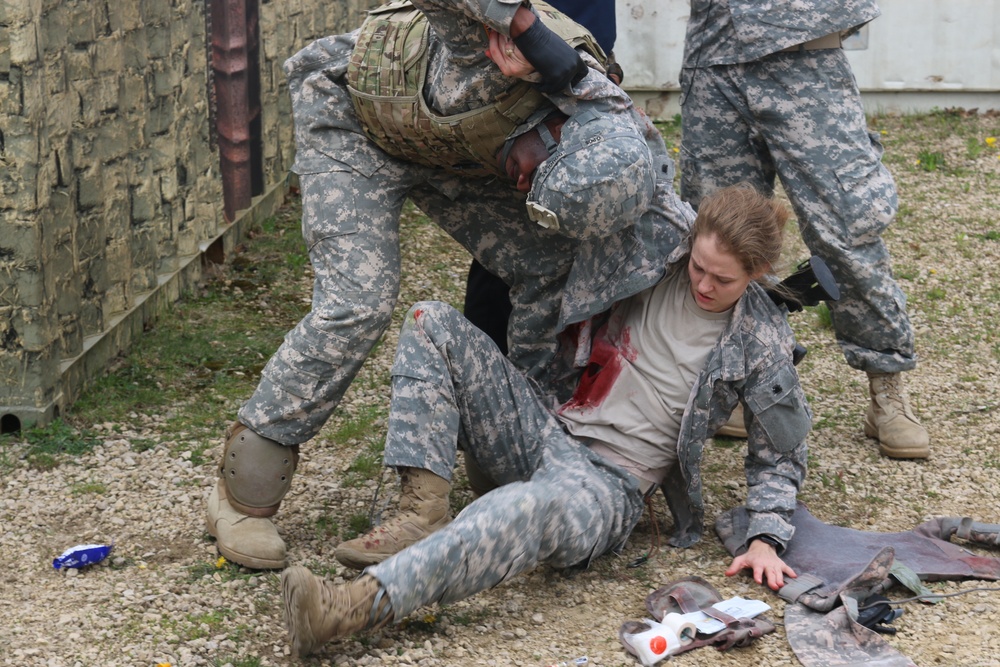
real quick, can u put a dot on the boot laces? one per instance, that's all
(357, 609)
(890, 387)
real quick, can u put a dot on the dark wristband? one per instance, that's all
(556, 62)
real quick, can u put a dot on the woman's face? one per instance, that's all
(718, 279)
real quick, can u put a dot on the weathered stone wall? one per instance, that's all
(110, 190)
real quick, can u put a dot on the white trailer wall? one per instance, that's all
(919, 55)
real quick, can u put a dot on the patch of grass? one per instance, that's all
(835, 481)
(82, 488)
(357, 524)
(196, 626)
(140, 445)
(936, 293)
(205, 353)
(232, 661)
(226, 570)
(671, 132)
(48, 446)
(325, 568)
(367, 465)
(821, 313)
(327, 526)
(360, 424)
(466, 617)
(670, 128)
(974, 148)
(930, 160)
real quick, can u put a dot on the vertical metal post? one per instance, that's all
(236, 71)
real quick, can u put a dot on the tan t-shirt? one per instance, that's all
(650, 355)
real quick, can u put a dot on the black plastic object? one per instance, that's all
(811, 283)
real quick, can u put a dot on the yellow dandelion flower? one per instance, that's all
(991, 141)
(163, 664)
(221, 563)
(883, 132)
(932, 271)
(677, 150)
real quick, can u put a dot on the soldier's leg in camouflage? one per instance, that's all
(570, 511)
(844, 198)
(439, 353)
(254, 476)
(318, 611)
(423, 508)
(717, 153)
(350, 226)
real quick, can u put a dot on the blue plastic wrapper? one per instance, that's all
(82, 555)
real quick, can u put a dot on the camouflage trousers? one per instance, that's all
(558, 503)
(351, 227)
(798, 116)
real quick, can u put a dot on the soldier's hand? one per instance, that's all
(765, 563)
(557, 62)
(509, 58)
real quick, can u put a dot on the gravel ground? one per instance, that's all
(163, 596)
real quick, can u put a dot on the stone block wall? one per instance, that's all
(110, 191)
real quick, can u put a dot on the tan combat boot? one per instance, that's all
(318, 611)
(890, 420)
(423, 509)
(255, 474)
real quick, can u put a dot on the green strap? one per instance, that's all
(909, 578)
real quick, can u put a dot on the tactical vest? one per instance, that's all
(386, 77)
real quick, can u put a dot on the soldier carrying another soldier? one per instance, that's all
(543, 181)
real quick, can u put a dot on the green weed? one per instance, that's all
(48, 446)
(357, 524)
(930, 160)
(97, 488)
(140, 445)
(821, 313)
(327, 526)
(226, 570)
(835, 481)
(367, 465)
(974, 148)
(360, 424)
(232, 661)
(466, 617)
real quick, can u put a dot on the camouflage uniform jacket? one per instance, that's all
(459, 78)
(751, 364)
(726, 32)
